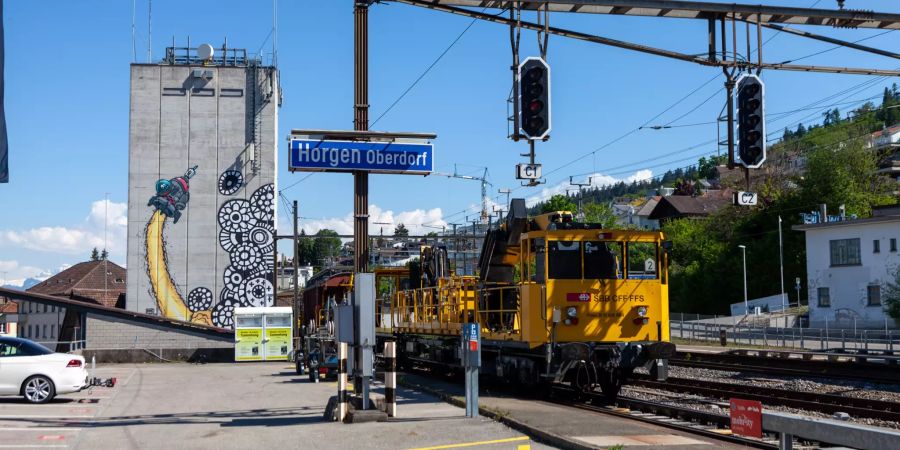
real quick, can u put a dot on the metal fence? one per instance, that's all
(694, 331)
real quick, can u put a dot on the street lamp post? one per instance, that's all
(781, 261)
(744, 253)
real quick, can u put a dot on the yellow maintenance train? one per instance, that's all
(558, 302)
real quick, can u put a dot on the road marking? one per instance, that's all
(56, 430)
(475, 444)
(37, 416)
(51, 437)
(32, 446)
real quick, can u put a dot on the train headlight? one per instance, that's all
(572, 311)
(642, 311)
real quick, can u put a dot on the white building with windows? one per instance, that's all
(848, 264)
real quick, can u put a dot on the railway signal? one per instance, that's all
(751, 123)
(534, 91)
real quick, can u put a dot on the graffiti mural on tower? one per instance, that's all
(246, 231)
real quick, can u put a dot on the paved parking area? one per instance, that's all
(257, 405)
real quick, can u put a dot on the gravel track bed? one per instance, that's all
(856, 389)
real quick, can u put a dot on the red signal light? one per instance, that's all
(74, 363)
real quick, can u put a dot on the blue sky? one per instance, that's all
(67, 82)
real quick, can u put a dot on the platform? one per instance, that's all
(250, 405)
(575, 428)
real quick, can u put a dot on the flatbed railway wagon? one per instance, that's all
(557, 302)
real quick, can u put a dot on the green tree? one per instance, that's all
(890, 295)
(401, 230)
(600, 213)
(306, 251)
(95, 255)
(558, 202)
(104, 254)
(327, 245)
(844, 173)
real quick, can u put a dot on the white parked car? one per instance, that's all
(31, 370)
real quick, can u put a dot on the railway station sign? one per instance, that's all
(746, 417)
(322, 155)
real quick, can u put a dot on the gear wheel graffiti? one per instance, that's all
(230, 182)
(256, 292)
(223, 313)
(234, 216)
(199, 299)
(262, 204)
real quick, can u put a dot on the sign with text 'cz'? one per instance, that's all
(743, 198)
(314, 155)
(746, 417)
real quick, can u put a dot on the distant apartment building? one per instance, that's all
(887, 143)
(848, 262)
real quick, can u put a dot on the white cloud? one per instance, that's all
(598, 180)
(379, 218)
(80, 238)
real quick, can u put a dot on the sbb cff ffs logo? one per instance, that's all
(751, 122)
(534, 96)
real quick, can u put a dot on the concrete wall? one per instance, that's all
(112, 339)
(848, 284)
(218, 253)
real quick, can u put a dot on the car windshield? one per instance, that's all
(33, 348)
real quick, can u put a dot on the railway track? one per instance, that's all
(688, 420)
(862, 371)
(807, 401)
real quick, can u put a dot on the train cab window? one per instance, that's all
(564, 260)
(602, 260)
(538, 250)
(642, 260)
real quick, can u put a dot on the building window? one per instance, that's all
(893, 244)
(845, 252)
(824, 297)
(52, 331)
(44, 332)
(876, 246)
(2, 327)
(874, 295)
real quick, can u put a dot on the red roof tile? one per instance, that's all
(85, 281)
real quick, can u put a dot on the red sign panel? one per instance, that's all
(473, 346)
(746, 417)
(578, 297)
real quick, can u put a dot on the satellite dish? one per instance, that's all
(205, 52)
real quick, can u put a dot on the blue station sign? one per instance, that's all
(314, 155)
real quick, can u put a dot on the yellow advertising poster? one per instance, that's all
(249, 344)
(278, 343)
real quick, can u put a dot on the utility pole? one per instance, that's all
(296, 261)
(744, 253)
(580, 196)
(507, 192)
(781, 260)
(360, 178)
(105, 245)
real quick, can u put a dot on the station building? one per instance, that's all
(848, 264)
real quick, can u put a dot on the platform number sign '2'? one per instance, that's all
(746, 417)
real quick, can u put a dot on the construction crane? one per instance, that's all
(485, 214)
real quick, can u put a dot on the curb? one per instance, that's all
(542, 436)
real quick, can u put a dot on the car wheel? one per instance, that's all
(38, 389)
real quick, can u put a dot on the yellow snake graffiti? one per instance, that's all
(170, 301)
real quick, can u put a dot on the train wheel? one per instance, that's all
(610, 384)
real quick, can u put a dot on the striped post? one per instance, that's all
(343, 395)
(390, 378)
